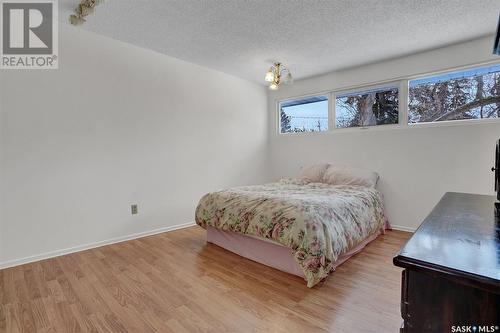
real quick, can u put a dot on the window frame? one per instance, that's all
(448, 122)
(402, 83)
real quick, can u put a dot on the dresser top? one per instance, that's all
(459, 237)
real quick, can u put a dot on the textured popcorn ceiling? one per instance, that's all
(312, 37)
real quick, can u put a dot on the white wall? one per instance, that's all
(116, 125)
(417, 165)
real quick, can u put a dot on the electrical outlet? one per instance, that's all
(134, 209)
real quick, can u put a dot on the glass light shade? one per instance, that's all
(288, 78)
(273, 86)
(269, 75)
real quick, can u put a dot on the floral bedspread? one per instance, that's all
(319, 222)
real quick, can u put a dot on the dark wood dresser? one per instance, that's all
(451, 277)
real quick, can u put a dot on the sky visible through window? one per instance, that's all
(308, 117)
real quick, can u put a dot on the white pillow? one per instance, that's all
(350, 176)
(313, 173)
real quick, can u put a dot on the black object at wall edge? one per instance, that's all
(496, 169)
(496, 47)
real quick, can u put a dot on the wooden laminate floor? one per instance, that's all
(175, 282)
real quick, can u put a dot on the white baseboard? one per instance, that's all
(403, 228)
(57, 253)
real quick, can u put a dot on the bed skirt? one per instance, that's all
(268, 252)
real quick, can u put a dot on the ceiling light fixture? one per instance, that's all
(84, 8)
(275, 73)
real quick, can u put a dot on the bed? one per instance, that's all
(298, 226)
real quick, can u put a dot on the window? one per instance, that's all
(469, 94)
(308, 114)
(466, 94)
(367, 108)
